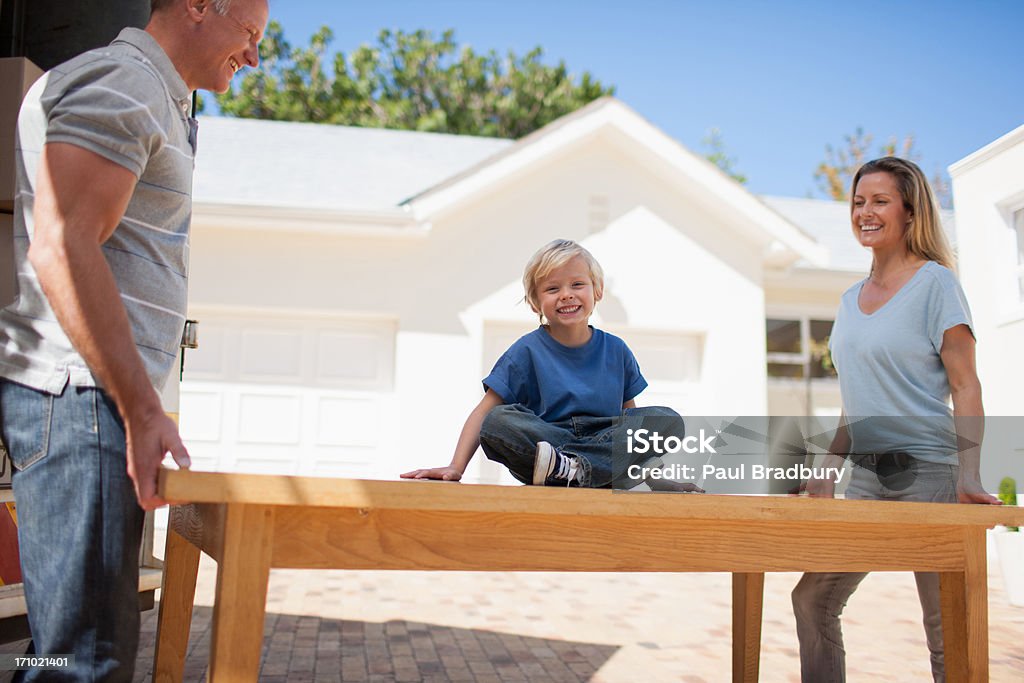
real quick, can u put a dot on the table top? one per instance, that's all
(183, 486)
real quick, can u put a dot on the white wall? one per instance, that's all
(987, 187)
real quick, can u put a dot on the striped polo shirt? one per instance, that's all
(127, 103)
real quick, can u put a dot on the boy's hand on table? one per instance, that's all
(442, 473)
(673, 486)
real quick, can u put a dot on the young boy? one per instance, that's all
(559, 401)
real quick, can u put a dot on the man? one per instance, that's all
(105, 157)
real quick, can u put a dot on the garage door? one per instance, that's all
(287, 394)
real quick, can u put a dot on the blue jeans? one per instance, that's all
(510, 433)
(819, 598)
(79, 529)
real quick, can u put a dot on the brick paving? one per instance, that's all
(393, 627)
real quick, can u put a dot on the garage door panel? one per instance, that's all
(269, 419)
(347, 422)
(673, 363)
(354, 359)
(205, 457)
(665, 357)
(209, 361)
(205, 415)
(270, 355)
(670, 361)
(256, 462)
(331, 456)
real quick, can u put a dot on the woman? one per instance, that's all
(902, 345)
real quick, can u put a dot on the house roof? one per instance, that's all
(312, 166)
(828, 222)
(273, 168)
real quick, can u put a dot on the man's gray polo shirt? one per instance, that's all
(127, 103)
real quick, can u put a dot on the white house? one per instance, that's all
(354, 285)
(988, 190)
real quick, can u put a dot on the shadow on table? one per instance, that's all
(307, 648)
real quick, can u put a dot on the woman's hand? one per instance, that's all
(825, 487)
(969, 490)
(820, 488)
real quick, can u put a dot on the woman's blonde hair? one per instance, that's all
(925, 237)
(556, 254)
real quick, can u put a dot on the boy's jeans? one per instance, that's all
(819, 599)
(510, 433)
(79, 529)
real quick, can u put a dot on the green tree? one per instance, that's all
(836, 172)
(408, 81)
(716, 154)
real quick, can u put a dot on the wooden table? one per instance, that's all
(251, 523)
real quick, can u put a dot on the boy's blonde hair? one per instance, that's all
(556, 254)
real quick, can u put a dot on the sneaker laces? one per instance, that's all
(568, 469)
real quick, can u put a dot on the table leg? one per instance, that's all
(747, 598)
(965, 614)
(177, 593)
(240, 606)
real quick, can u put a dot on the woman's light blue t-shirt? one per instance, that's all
(894, 387)
(558, 382)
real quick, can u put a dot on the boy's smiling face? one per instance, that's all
(566, 296)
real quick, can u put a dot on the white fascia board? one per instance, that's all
(1014, 137)
(388, 223)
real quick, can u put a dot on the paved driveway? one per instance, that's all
(611, 628)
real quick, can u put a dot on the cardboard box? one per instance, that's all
(10, 571)
(8, 285)
(17, 74)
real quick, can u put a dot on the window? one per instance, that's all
(1018, 229)
(798, 348)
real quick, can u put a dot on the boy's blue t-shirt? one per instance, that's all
(558, 382)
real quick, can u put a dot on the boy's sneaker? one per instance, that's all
(550, 465)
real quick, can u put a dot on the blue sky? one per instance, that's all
(779, 79)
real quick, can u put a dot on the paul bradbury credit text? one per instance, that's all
(743, 471)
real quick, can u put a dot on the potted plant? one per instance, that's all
(1011, 548)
